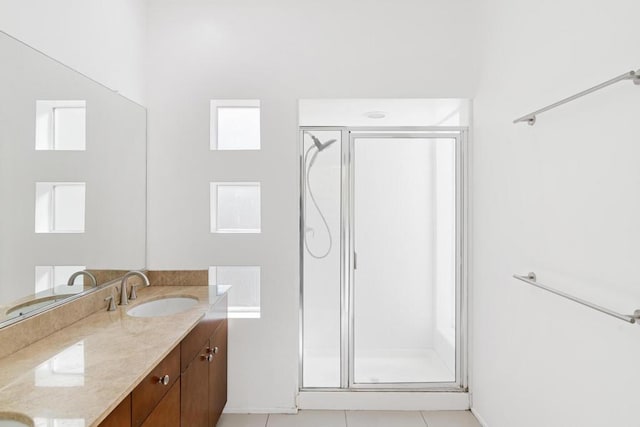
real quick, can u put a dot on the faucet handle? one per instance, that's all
(112, 303)
(133, 295)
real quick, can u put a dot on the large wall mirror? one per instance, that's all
(72, 182)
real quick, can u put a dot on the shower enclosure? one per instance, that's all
(382, 258)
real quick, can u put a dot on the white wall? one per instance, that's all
(277, 52)
(559, 198)
(101, 39)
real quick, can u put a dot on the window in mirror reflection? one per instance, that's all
(244, 295)
(60, 207)
(56, 276)
(235, 124)
(61, 125)
(65, 369)
(235, 207)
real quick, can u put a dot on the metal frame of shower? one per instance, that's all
(460, 134)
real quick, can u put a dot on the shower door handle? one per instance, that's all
(355, 261)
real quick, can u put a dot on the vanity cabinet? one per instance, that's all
(204, 378)
(188, 388)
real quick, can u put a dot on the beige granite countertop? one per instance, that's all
(79, 374)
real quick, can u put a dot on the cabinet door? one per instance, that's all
(194, 401)
(119, 417)
(218, 374)
(154, 386)
(167, 413)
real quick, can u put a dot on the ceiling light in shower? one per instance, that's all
(375, 114)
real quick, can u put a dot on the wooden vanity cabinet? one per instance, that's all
(188, 388)
(204, 381)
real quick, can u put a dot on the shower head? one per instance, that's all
(320, 145)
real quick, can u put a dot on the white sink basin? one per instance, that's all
(35, 304)
(162, 307)
(14, 423)
(12, 419)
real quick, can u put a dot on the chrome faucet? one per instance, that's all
(72, 278)
(123, 285)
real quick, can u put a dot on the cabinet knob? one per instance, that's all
(164, 380)
(215, 350)
(207, 357)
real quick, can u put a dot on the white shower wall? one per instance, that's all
(395, 243)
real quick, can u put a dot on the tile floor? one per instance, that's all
(353, 419)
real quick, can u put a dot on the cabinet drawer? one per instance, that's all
(151, 390)
(119, 417)
(167, 413)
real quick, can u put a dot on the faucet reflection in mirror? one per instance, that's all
(91, 277)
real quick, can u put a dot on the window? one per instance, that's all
(235, 125)
(61, 125)
(244, 295)
(60, 207)
(235, 207)
(50, 276)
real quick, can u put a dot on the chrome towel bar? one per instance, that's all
(531, 279)
(531, 117)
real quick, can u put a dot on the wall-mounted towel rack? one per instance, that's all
(531, 279)
(531, 117)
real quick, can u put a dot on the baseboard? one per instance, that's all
(392, 401)
(481, 420)
(228, 410)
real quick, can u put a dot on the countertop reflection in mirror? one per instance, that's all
(72, 182)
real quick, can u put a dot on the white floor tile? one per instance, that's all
(243, 420)
(384, 419)
(308, 419)
(450, 419)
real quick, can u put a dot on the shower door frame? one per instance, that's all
(347, 271)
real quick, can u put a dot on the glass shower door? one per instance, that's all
(403, 275)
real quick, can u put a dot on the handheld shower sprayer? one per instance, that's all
(319, 146)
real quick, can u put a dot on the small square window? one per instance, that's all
(61, 125)
(51, 276)
(235, 125)
(235, 207)
(244, 295)
(60, 207)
